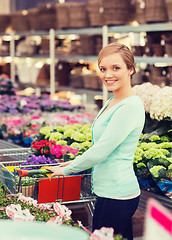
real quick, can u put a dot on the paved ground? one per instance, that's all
(138, 224)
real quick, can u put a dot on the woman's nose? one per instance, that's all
(109, 74)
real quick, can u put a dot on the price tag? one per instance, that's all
(158, 222)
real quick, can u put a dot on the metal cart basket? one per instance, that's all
(69, 189)
(14, 156)
(64, 189)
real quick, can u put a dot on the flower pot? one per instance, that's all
(28, 190)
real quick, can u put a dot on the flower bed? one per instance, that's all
(19, 208)
(153, 163)
(29, 104)
(23, 128)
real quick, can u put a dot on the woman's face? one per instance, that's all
(114, 73)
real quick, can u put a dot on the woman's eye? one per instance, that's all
(102, 69)
(116, 68)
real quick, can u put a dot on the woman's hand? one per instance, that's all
(56, 171)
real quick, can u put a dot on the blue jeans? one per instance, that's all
(116, 214)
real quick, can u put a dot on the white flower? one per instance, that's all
(103, 234)
(161, 106)
(62, 211)
(146, 92)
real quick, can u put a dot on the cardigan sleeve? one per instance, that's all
(123, 121)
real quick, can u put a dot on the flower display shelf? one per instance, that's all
(145, 195)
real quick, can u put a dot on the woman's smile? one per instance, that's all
(110, 82)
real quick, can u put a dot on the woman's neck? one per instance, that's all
(120, 95)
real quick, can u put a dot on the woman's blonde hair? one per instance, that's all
(124, 51)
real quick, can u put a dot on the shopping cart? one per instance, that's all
(14, 156)
(68, 190)
(64, 189)
(9, 159)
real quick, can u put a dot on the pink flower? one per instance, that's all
(62, 211)
(16, 213)
(103, 234)
(56, 220)
(2, 208)
(66, 149)
(56, 150)
(35, 117)
(12, 209)
(50, 211)
(74, 151)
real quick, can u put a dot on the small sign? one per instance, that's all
(158, 222)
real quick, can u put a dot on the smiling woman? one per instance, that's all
(115, 134)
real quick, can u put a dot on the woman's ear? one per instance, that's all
(131, 71)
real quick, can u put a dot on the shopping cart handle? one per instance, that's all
(23, 173)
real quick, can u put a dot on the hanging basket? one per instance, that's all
(34, 23)
(19, 21)
(62, 15)
(4, 22)
(47, 16)
(78, 15)
(169, 9)
(117, 12)
(140, 12)
(86, 45)
(155, 11)
(95, 13)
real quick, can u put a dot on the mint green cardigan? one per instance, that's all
(115, 135)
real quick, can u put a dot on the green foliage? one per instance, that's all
(59, 129)
(165, 138)
(89, 136)
(155, 138)
(45, 130)
(62, 142)
(75, 145)
(138, 155)
(165, 145)
(154, 153)
(55, 136)
(153, 156)
(68, 133)
(155, 170)
(86, 144)
(170, 167)
(141, 165)
(78, 137)
(25, 181)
